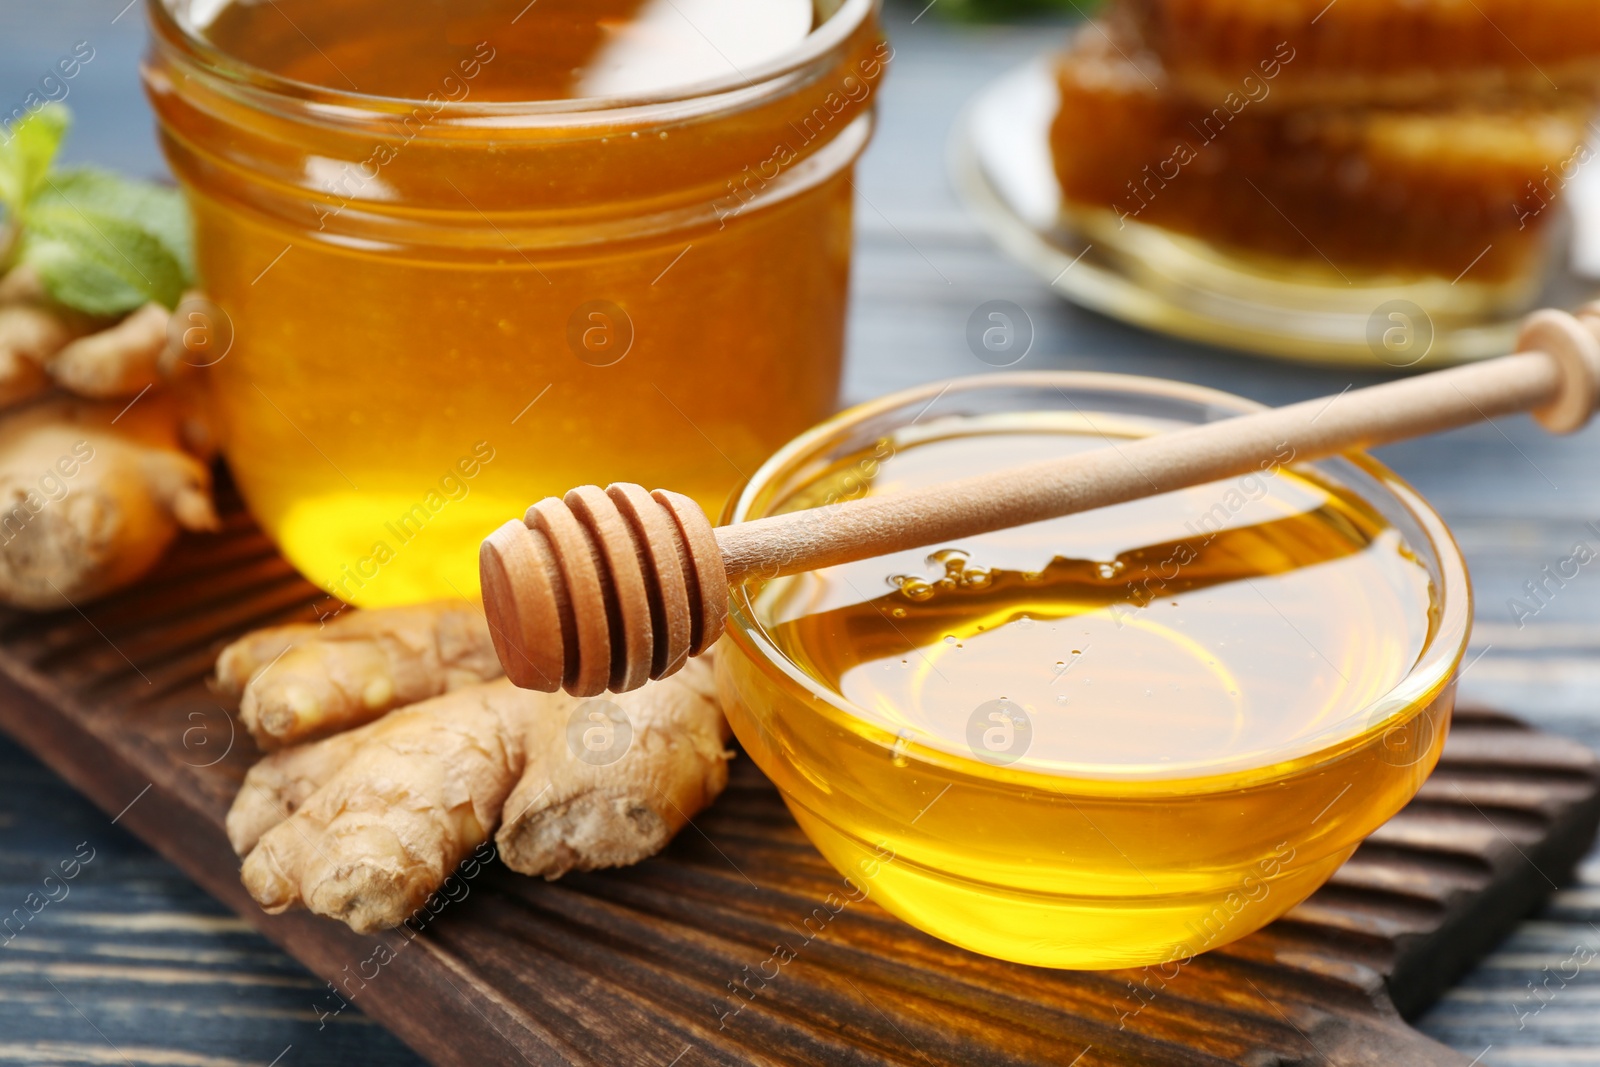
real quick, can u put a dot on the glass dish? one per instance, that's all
(1082, 866)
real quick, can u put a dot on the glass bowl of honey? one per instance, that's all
(1112, 739)
(471, 253)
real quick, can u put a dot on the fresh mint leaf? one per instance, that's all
(26, 155)
(159, 211)
(98, 263)
(102, 244)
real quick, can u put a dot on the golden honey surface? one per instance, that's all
(440, 314)
(1222, 625)
(1119, 737)
(548, 50)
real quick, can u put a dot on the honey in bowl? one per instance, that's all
(1117, 738)
(474, 253)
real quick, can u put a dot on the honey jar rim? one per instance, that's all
(1431, 676)
(199, 58)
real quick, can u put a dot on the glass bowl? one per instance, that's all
(1081, 866)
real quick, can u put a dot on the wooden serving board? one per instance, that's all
(640, 966)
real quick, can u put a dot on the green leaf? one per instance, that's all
(159, 211)
(98, 263)
(26, 155)
(101, 243)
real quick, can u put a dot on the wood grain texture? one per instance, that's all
(134, 964)
(677, 955)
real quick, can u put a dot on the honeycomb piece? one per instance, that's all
(1383, 191)
(1384, 52)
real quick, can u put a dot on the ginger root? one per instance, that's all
(404, 800)
(91, 494)
(254, 653)
(365, 825)
(300, 682)
(119, 360)
(42, 343)
(29, 336)
(568, 813)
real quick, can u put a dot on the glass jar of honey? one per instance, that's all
(1117, 738)
(471, 253)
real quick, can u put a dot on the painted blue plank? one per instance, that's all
(108, 953)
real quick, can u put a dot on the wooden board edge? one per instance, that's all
(1426, 967)
(188, 839)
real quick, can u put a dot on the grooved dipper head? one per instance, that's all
(603, 589)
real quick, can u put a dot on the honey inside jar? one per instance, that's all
(548, 50)
(469, 254)
(1121, 737)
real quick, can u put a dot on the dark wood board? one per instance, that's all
(635, 966)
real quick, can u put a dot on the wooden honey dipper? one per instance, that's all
(610, 588)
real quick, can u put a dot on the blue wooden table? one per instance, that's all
(130, 963)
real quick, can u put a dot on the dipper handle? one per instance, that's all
(609, 588)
